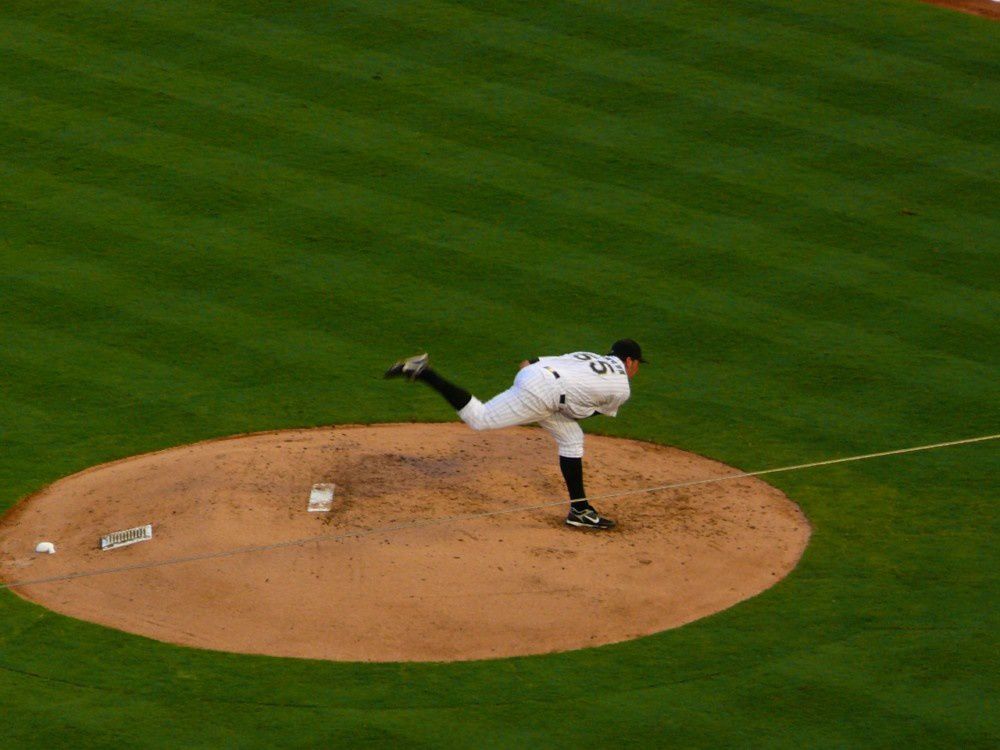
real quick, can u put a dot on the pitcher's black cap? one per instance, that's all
(623, 348)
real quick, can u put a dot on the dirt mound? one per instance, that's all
(395, 576)
(987, 8)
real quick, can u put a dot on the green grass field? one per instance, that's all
(224, 216)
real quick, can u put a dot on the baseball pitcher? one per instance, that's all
(555, 392)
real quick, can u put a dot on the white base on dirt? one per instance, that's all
(321, 498)
(47, 547)
(126, 537)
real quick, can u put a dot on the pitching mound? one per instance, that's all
(389, 581)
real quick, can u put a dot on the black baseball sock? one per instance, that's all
(572, 471)
(457, 397)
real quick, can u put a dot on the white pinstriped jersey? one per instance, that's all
(592, 383)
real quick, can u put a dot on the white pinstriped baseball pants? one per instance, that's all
(534, 397)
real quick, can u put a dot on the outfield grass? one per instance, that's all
(226, 216)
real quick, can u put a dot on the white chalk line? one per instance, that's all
(473, 516)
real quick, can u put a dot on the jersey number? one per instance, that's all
(598, 366)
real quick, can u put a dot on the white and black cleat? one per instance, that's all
(408, 368)
(588, 518)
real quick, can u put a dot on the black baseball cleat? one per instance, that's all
(408, 368)
(588, 518)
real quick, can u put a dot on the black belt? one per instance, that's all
(562, 396)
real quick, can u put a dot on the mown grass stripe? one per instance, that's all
(320, 54)
(758, 312)
(810, 57)
(170, 156)
(647, 70)
(73, 391)
(329, 282)
(651, 206)
(526, 287)
(210, 330)
(896, 232)
(917, 30)
(62, 348)
(827, 396)
(171, 183)
(850, 190)
(298, 318)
